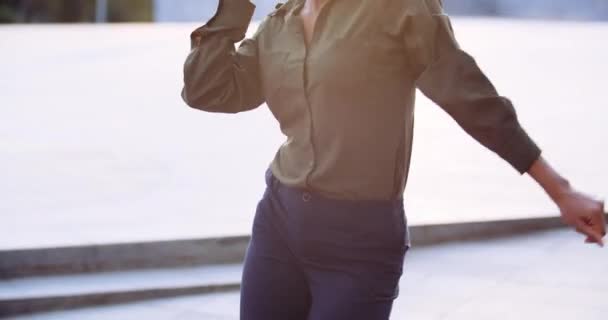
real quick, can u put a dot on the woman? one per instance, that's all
(330, 235)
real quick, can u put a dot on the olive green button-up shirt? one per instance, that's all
(345, 102)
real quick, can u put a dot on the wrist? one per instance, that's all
(556, 186)
(559, 189)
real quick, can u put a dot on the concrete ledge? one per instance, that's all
(114, 257)
(166, 254)
(438, 233)
(31, 305)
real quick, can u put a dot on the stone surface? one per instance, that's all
(120, 281)
(44, 294)
(550, 275)
(120, 257)
(96, 145)
(195, 252)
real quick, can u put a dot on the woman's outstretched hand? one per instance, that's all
(584, 213)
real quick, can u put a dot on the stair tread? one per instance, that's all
(119, 281)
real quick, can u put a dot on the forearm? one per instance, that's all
(549, 179)
(457, 84)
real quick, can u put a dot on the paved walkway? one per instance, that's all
(96, 145)
(550, 275)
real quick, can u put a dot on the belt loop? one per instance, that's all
(269, 179)
(306, 196)
(275, 183)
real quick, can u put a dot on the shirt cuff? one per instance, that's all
(231, 16)
(520, 151)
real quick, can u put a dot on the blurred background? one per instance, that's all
(104, 170)
(27, 11)
(94, 134)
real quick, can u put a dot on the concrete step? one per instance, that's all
(122, 256)
(547, 276)
(222, 250)
(36, 294)
(64, 278)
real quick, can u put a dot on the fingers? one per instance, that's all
(602, 218)
(592, 235)
(598, 223)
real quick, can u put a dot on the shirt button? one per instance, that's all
(306, 196)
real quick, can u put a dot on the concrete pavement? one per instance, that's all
(548, 275)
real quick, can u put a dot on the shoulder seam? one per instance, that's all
(281, 8)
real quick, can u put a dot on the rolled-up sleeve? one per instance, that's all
(217, 77)
(452, 79)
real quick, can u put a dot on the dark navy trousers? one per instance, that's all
(315, 258)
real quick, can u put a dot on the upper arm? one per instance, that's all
(428, 35)
(444, 72)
